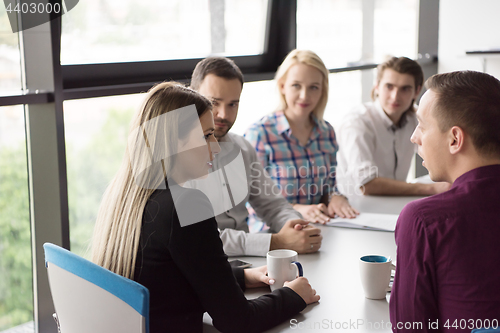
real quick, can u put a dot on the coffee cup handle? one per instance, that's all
(299, 268)
(393, 268)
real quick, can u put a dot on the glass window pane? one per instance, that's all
(98, 31)
(10, 59)
(96, 132)
(395, 30)
(343, 96)
(16, 291)
(257, 99)
(332, 29)
(245, 22)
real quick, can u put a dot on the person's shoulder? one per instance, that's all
(326, 128)
(192, 205)
(362, 110)
(266, 123)
(271, 118)
(429, 210)
(326, 125)
(240, 141)
(358, 115)
(180, 193)
(160, 198)
(162, 201)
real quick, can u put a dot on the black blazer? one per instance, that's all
(187, 273)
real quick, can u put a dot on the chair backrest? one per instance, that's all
(89, 298)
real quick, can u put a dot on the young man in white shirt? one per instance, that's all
(374, 139)
(220, 80)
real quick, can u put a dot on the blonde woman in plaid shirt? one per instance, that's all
(296, 146)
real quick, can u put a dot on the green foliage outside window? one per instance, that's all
(90, 170)
(16, 300)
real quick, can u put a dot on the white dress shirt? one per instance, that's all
(371, 146)
(259, 189)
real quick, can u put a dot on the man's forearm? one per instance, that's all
(387, 186)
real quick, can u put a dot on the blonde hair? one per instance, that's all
(118, 226)
(308, 58)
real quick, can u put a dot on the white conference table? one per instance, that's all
(333, 271)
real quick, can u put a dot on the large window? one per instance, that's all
(101, 31)
(16, 300)
(395, 28)
(257, 99)
(352, 32)
(344, 94)
(96, 132)
(332, 29)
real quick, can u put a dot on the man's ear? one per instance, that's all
(375, 89)
(456, 139)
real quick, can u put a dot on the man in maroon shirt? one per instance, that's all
(448, 256)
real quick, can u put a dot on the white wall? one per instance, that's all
(466, 25)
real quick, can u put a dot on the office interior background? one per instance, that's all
(69, 87)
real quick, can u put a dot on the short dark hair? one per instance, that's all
(471, 101)
(219, 66)
(402, 65)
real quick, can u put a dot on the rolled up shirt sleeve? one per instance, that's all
(267, 201)
(239, 242)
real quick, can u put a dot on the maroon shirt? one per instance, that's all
(448, 257)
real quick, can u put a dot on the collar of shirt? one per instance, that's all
(389, 125)
(478, 173)
(283, 126)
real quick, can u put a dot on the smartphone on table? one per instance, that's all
(239, 263)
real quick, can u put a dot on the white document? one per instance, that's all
(370, 221)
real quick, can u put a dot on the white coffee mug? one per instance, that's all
(375, 273)
(282, 266)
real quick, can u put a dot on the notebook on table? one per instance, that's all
(367, 221)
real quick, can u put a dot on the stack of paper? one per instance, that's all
(370, 221)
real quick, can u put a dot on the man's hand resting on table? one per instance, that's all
(297, 235)
(313, 213)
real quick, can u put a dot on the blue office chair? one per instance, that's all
(89, 298)
(486, 330)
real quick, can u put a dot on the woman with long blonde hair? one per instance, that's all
(164, 236)
(296, 145)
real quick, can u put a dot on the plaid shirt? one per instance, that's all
(303, 173)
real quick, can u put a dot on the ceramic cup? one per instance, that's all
(282, 266)
(375, 273)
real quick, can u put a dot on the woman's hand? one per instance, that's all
(257, 277)
(313, 213)
(302, 287)
(340, 206)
